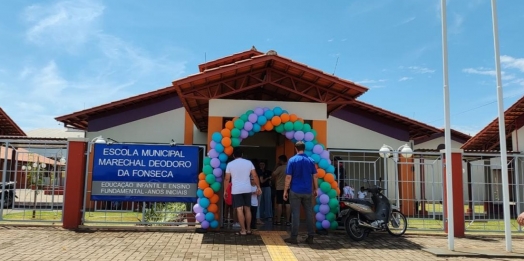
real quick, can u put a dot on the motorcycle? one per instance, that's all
(360, 217)
(9, 194)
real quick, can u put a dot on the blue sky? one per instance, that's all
(57, 57)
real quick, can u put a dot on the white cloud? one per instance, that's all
(331, 40)
(421, 70)
(407, 20)
(369, 81)
(405, 79)
(511, 62)
(484, 71)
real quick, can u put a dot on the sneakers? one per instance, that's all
(236, 225)
(291, 240)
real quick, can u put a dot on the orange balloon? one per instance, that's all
(225, 132)
(338, 191)
(301, 120)
(217, 216)
(230, 125)
(321, 173)
(228, 150)
(276, 121)
(268, 126)
(329, 178)
(201, 176)
(293, 117)
(208, 192)
(226, 141)
(214, 199)
(234, 119)
(263, 127)
(284, 117)
(213, 208)
(203, 184)
(334, 185)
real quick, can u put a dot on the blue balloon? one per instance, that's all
(309, 145)
(308, 153)
(323, 163)
(284, 111)
(277, 111)
(219, 147)
(213, 224)
(223, 165)
(256, 127)
(316, 208)
(330, 169)
(318, 224)
(316, 158)
(261, 120)
(204, 202)
(269, 114)
(222, 157)
(200, 193)
(251, 133)
(317, 200)
(217, 137)
(210, 216)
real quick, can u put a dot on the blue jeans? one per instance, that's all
(296, 200)
(265, 206)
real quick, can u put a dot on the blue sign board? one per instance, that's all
(154, 173)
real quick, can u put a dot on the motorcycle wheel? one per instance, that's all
(397, 224)
(353, 230)
(7, 201)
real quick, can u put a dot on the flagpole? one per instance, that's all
(447, 132)
(502, 130)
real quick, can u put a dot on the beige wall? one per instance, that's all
(433, 144)
(235, 108)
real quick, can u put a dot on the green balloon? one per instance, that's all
(325, 187)
(235, 133)
(249, 112)
(210, 178)
(244, 117)
(314, 132)
(207, 161)
(332, 193)
(315, 141)
(288, 126)
(207, 169)
(235, 142)
(330, 216)
(306, 127)
(320, 181)
(298, 125)
(333, 202)
(334, 210)
(279, 128)
(216, 186)
(333, 225)
(239, 124)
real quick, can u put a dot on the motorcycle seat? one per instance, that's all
(359, 201)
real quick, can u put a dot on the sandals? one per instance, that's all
(239, 233)
(249, 232)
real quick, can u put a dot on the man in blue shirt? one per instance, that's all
(301, 181)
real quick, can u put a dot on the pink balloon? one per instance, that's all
(244, 134)
(299, 135)
(290, 134)
(309, 136)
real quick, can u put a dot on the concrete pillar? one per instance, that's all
(458, 192)
(407, 186)
(73, 199)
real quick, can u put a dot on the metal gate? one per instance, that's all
(131, 213)
(424, 177)
(32, 179)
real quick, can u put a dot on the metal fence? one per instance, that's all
(131, 213)
(32, 179)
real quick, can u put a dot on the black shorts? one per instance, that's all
(242, 200)
(280, 197)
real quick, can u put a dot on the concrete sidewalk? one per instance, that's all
(47, 243)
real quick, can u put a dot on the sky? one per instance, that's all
(58, 57)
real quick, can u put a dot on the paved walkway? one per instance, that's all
(22, 243)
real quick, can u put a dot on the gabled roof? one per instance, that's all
(488, 138)
(8, 126)
(229, 59)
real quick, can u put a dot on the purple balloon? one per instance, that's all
(309, 136)
(244, 134)
(329, 161)
(266, 109)
(317, 149)
(213, 154)
(320, 192)
(259, 111)
(248, 125)
(219, 179)
(200, 217)
(217, 172)
(326, 224)
(215, 163)
(252, 118)
(299, 135)
(320, 217)
(212, 144)
(197, 208)
(198, 200)
(325, 154)
(324, 209)
(324, 199)
(290, 134)
(205, 224)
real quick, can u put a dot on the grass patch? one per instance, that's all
(40, 215)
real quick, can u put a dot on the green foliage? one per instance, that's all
(164, 212)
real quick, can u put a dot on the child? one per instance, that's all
(254, 204)
(362, 193)
(349, 192)
(230, 215)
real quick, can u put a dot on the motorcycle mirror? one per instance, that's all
(380, 179)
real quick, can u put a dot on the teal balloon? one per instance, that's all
(325, 187)
(222, 157)
(309, 145)
(235, 142)
(317, 200)
(210, 178)
(239, 124)
(334, 210)
(316, 208)
(251, 133)
(277, 111)
(315, 142)
(210, 216)
(323, 164)
(219, 148)
(269, 114)
(213, 224)
(207, 160)
(204, 202)
(306, 127)
(333, 225)
(333, 202)
(217, 137)
(330, 216)
(248, 112)
(330, 169)
(320, 181)
(223, 165)
(284, 111)
(332, 193)
(244, 117)
(261, 120)
(318, 224)
(314, 132)
(298, 125)
(288, 126)
(200, 193)
(279, 128)
(256, 127)
(235, 133)
(308, 153)
(207, 169)
(315, 157)
(215, 186)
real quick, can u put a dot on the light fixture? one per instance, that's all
(385, 151)
(24, 167)
(62, 160)
(43, 165)
(35, 165)
(98, 140)
(406, 151)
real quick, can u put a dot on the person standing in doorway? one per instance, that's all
(240, 172)
(280, 180)
(301, 180)
(265, 209)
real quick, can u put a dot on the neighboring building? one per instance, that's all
(61, 133)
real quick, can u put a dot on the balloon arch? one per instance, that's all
(249, 123)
